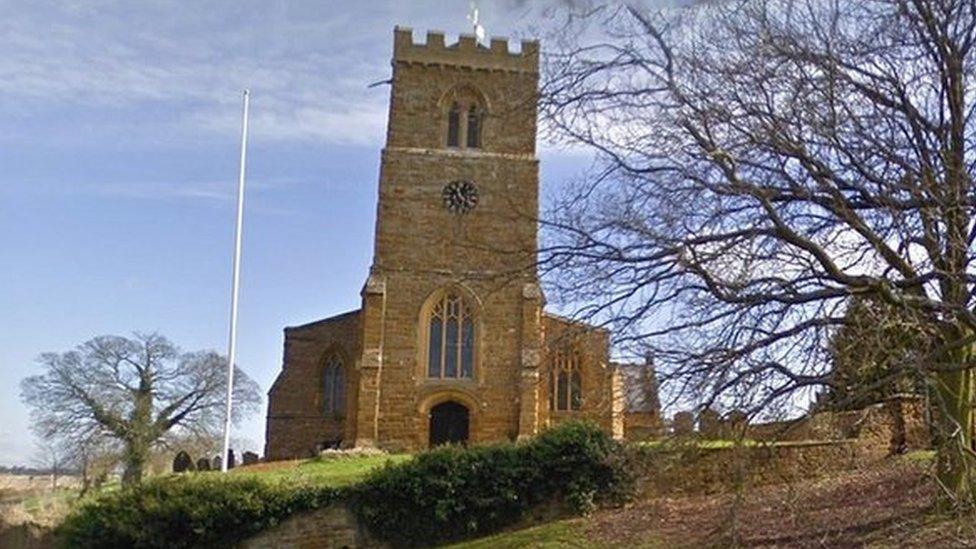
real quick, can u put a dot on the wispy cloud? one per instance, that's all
(218, 193)
(184, 65)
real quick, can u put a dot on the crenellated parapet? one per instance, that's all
(465, 52)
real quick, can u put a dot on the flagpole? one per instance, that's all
(235, 285)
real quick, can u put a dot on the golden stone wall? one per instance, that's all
(602, 399)
(423, 248)
(297, 425)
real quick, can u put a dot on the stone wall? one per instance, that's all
(296, 425)
(897, 424)
(333, 527)
(600, 401)
(696, 469)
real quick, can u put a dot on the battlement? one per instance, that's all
(466, 52)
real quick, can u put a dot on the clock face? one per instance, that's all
(460, 196)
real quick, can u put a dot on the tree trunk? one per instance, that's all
(139, 440)
(136, 456)
(954, 410)
(85, 476)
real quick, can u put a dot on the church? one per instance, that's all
(452, 343)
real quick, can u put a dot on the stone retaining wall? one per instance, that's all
(690, 469)
(333, 527)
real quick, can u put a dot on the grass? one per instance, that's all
(704, 444)
(563, 533)
(721, 444)
(918, 456)
(340, 471)
(51, 507)
(567, 533)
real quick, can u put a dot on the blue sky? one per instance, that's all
(119, 128)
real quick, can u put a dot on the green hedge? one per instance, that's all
(207, 510)
(453, 493)
(442, 495)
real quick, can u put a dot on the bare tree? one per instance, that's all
(759, 163)
(134, 391)
(94, 458)
(50, 457)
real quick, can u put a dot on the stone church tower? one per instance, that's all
(451, 343)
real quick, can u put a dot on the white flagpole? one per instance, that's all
(235, 284)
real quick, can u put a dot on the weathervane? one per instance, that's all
(479, 31)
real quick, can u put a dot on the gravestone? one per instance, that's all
(249, 458)
(231, 462)
(215, 463)
(737, 421)
(203, 464)
(710, 424)
(684, 423)
(182, 463)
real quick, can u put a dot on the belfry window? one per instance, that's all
(454, 126)
(450, 339)
(333, 387)
(466, 111)
(474, 128)
(565, 382)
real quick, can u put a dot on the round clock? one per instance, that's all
(460, 196)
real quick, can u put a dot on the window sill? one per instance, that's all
(449, 381)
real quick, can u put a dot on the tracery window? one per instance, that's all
(333, 387)
(565, 382)
(450, 339)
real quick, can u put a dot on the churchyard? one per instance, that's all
(689, 490)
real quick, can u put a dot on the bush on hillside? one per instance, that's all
(452, 493)
(189, 511)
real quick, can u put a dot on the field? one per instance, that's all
(33, 498)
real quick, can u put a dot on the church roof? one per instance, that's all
(325, 320)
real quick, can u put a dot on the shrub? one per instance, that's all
(189, 511)
(452, 493)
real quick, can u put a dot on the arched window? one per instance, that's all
(333, 387)
(450, 338)
(474, 127)
(454, 126)
(565, 382)
(466, 109)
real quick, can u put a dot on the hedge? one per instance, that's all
(442, 495)
(205, 510)
(454, 493)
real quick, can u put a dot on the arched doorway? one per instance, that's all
(448, 424)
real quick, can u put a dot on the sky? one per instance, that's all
(119, 136)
